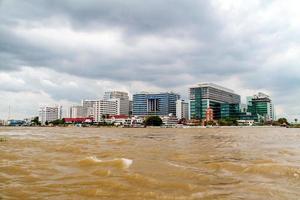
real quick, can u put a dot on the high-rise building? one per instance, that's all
(105, 107)
(88, 107)
(223, 101)
(49, 113)
(182, 109)
(123, 103)
(261, 105)
(154, 103)
(77, 112)
(243, 107)
(130, 107)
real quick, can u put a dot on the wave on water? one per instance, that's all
(182, 166)
(121, 163)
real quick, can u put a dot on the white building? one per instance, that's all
(245, 122)
(88, 107)
(49, 113)
(105, 107)
(169, 121)
(182, 109)
(123, 103)
(77, 112)
(119, 120)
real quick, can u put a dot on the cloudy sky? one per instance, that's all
(62, 51)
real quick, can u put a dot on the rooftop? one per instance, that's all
(212, 85)
(154, 93)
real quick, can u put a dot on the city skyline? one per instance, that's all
(62, 52)
(118, 103)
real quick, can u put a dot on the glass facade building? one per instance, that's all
(230, 110)
(261, 106)
(224, 102)
(154, 104)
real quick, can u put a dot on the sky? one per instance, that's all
(62, 51)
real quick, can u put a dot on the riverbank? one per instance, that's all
(150, 127)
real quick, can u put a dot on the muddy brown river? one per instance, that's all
(120, 163)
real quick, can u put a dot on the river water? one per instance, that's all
(119, 163)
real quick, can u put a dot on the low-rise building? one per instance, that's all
(245, 122)
(137, 120)
(80, 120)
(169, 121)
(118, 120)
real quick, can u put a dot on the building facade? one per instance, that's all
(223, 101)
(88, 107)
(130, 107)
(161, 104)
(77, 112)
(49, 113)
(105, 107)
(182, 109)
(261, 105)
(123, 97)
(209, 115)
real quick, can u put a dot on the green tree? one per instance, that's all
(275, 123)
(228, 122)
(210, 123)
(153, 121)
(296, 120)
(35, 121)
(282, 121)
(58, 122)
(104, 116)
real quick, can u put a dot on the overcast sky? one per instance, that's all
(62, 51)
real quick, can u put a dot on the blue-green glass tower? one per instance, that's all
(155, 103)
(261, 105)
(224, 102)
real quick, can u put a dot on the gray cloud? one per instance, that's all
(163, 44)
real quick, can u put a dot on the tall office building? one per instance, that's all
(261, 105)
(123, 100)
(49, 113)
(154, 103)
(223, 101)
(105, 107)
(182, 109)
